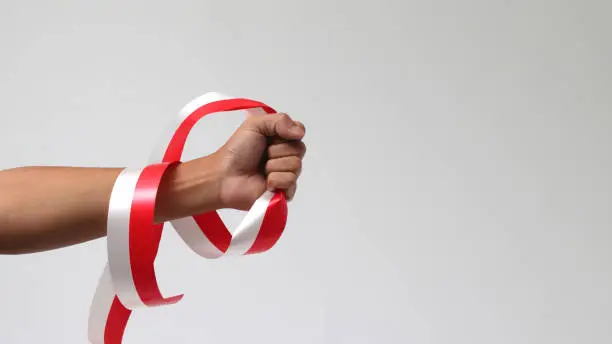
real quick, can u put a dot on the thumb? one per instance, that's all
(278, 124)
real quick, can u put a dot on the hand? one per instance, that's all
(265, 152)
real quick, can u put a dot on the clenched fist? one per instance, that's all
(265, 153)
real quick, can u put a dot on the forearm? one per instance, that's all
(43, 208)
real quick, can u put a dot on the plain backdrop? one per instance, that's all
(457, 187)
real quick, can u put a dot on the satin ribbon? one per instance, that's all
(128, 281)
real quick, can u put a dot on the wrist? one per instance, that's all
(190, 188)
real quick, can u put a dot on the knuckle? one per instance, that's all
(283, 117)
(302, 148)
(295, 163)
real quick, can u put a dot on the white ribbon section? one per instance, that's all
(192, 235)
(100, 308)
(118, 238)
(246, 233)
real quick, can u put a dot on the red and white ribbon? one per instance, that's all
(128, 281)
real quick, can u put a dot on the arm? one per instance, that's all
(43, 208)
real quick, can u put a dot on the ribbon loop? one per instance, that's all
(129, 281)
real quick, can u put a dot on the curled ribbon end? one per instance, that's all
(166, 301)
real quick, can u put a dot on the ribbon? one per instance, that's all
(128, 281)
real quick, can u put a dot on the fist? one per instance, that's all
(265, 153)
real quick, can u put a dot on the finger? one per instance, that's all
(285, 164)
(278, 124)
(278, 139)
(290, 192)
(281, 180)
(292, 148)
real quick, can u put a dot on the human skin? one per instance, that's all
(44, 208)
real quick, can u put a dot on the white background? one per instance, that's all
(457, 187)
